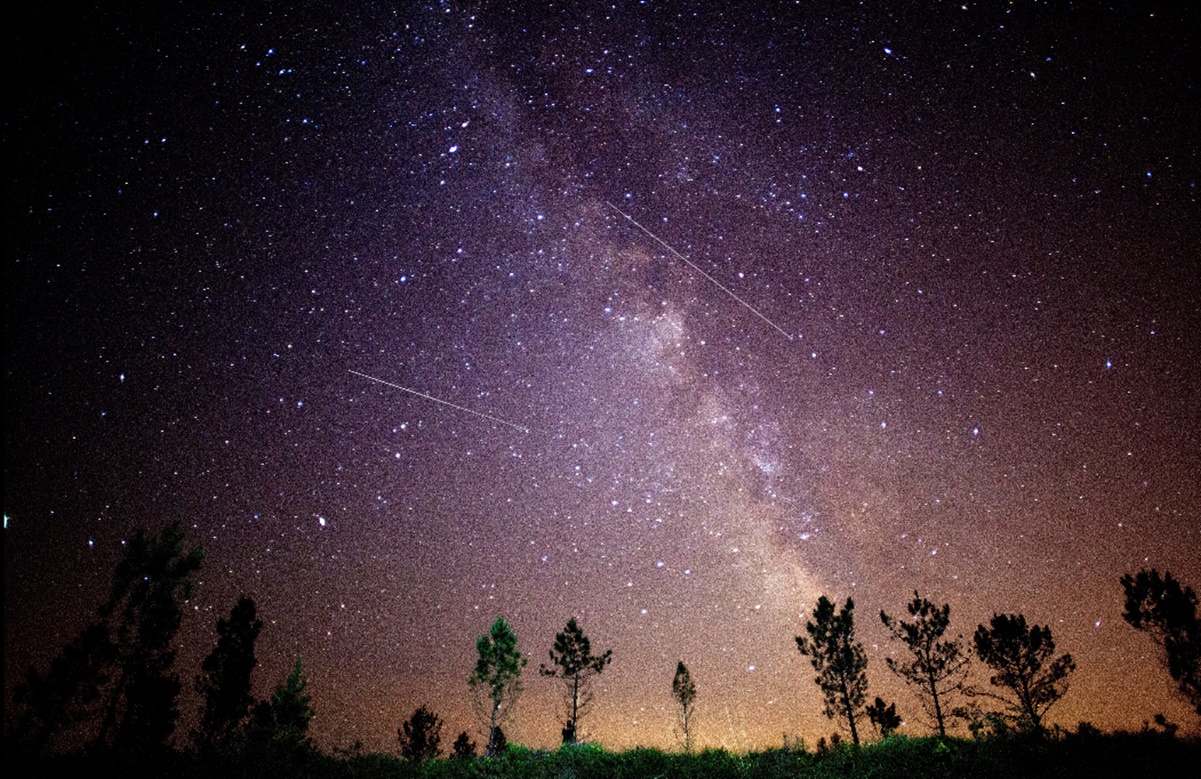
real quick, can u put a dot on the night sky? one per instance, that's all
(929, 320)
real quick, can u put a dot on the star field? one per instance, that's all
(943, 337)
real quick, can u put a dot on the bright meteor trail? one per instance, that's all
(694, 266)
(443, 402)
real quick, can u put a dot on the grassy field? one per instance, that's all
(1096, 756)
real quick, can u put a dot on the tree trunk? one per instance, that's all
(942, 729)
(110, 713)
(846, 704)
(492, 729)
(575, 708)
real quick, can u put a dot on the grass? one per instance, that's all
(1093, 755)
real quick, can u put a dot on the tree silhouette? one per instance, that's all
(938, 668)
(420, 736)
(496, 680)
(464, 747)
(65, 695)
(498, 742)
(284, 720)
(290, 704)
(574, 664)
(225, 679)
(683, 689)
(1167, 611)
(883, 716)
(153, 577)
(1021, 658)
(839, 660)
(116, 674)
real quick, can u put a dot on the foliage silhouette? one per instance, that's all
(65, 695)
(498, 742)
(290, 704)
(1113, 756)
(496, 679)
(839, 660)
(1164, 725)
(683, 690)
(420, 737)
(464, 747)
(1021, 657)
(884, 716)
(1161, 607)
(1095, 756)
(938, 668)
(150, 582)
(573, 663)
(225, 679)
(119, 670)
(283, 722)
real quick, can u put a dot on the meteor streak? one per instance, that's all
(696, 268)
(513, 425)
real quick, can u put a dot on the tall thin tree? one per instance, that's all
(496, 679)
(839, 660)
(683, 690)
(573, 663)
(224, 682)
(937, 668)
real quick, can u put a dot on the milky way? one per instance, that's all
(660, 316)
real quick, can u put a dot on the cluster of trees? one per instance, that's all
(1027, 678)
(1026, 681)
(113, 689)
(115, 677)
(496, 683)
(496, 680)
